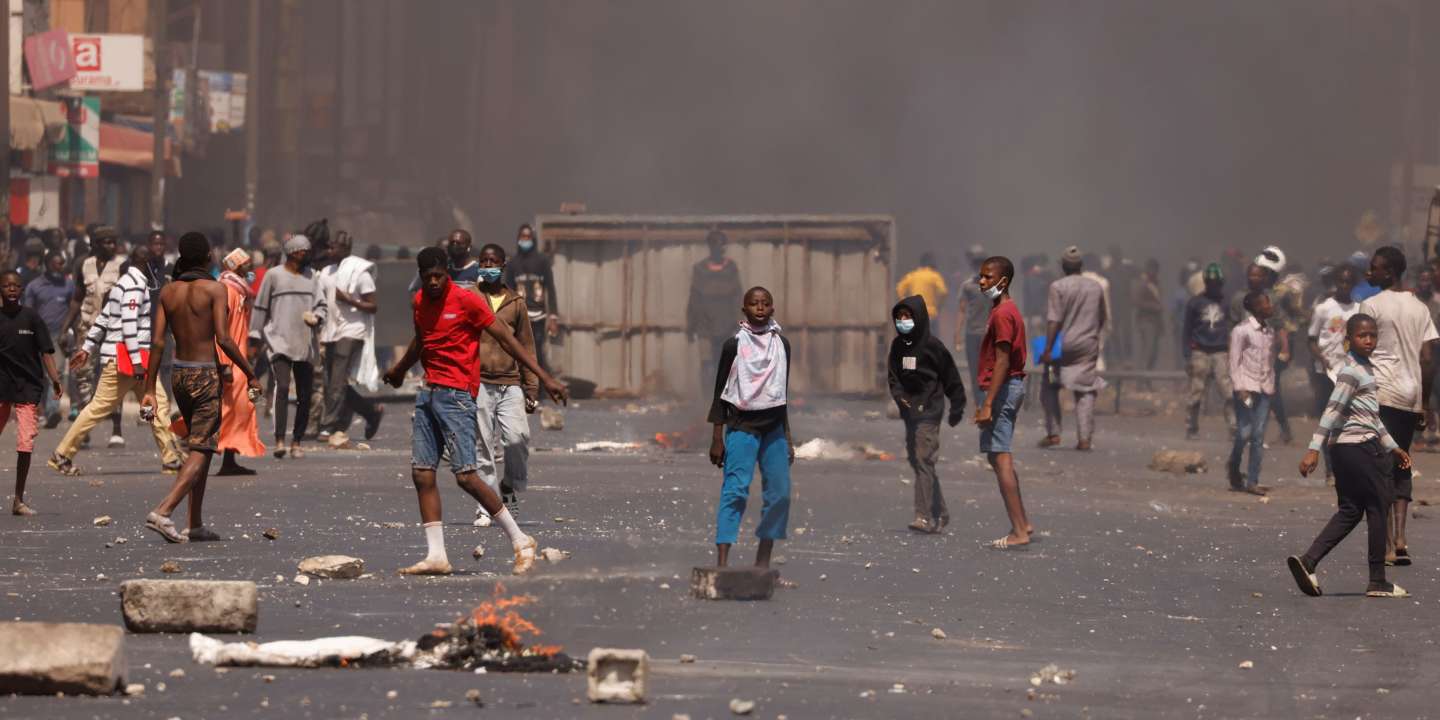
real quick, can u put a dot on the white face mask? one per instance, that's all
(993, 292)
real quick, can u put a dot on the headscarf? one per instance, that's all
(236, 258)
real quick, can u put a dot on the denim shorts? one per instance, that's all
(1000, 433)
(444, 419)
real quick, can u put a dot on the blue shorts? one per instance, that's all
(444, 418)
(1000, 433)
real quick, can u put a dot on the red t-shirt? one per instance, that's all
(1007, 326)
(449, 331)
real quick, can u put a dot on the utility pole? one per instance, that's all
(160, 49)
(5, 137)
(1411, 123)
(252, 112)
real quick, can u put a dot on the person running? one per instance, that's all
(93, 279)
(510, 391)
(1001, 393)
(49, 296)
(1252, 377)
(121, 338)
(448, 323)
(752, 427)
(239, 423)
(1404, 366)
(1358, 445)
(922, 375)
(193, 309)
(530, 274)
(1207, 350)
(287, 311)
(348, 336)
(1077, 309)
(26, 362)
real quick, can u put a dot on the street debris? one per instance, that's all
(1052, 674)
(473, 696)
(189, 605)
(687, 659)
(271, 533)
(302, 579)
(607, 446)
(553, 555)
(169, 566)
(342, 567)
(552, 419)
(741, 707)
(102, 521)
(478, 552)
(823, 449)
(1247, 664)
(67, 658)
(616, 675)
(938, 634)
(1178, 461)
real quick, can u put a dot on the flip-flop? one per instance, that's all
(1005, 544)
(164, 526)
(1307, 581)
(1402, 557)
(1395, 591)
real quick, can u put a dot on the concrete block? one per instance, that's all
(733, 583)
(617, 676)
(341, 567)
(214, 606)
(71, 658)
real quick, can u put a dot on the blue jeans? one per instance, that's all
(1249, 430)
(999, 435)
(444, 417)
(742, 452)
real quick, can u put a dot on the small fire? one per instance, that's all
(498, 615)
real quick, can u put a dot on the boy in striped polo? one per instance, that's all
(1360, 454)
(121, 334)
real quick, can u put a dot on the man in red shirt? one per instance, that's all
(1001, 392)
(448, 323)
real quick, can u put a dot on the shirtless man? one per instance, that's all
(193, 307)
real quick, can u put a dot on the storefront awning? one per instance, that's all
(120, 145)
(31, 120)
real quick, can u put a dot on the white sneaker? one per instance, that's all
(116, 441)
(482, 518)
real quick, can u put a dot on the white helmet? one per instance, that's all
(1271, 258)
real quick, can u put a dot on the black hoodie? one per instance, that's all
(922, 371)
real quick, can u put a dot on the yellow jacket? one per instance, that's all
(927, 283)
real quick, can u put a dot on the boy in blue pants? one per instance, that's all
(752, 427)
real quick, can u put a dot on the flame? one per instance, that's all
(499, 613)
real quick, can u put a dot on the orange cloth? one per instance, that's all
(239, 423)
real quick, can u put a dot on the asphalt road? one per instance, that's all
(1153, 588)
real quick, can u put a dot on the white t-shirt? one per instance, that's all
(1404, 324)
(345, 321)
(1327, 328)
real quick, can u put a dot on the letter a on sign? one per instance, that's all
(87, 54)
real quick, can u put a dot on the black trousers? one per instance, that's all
(1362, 488)
(304, 374)
(537, 329)
(342, 400)
(1401, 425)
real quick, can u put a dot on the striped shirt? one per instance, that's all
(124, 319)
(1352, 415)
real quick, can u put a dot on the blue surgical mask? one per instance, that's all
(905, 325)
(250, 277)
(490, 275)
(526, 245)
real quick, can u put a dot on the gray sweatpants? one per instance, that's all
(922, 447)
(504, 432)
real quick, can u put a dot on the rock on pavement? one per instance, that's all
(617, 676)
(342, 567)
(1178, 461)
(215, 606)
(733, 583)
(73, 658)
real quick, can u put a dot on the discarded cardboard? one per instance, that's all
(733, 583)
(189, 606)
(70, 658)
(617, 676)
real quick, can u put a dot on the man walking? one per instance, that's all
(192, 308)
(1076, 318)
(348, 335)
(1403, 369)
(710, 311)
(121, 337)
(96, 275)
(1207, 351)
(288, 308)
(529, 273)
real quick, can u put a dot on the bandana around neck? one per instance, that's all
(759, 375)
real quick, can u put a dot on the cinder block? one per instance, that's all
(213, 606)
(341, 567)
(733, 583)
(617, 676)
(71, 658)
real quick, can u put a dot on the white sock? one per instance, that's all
(435, 539)
(508, 523)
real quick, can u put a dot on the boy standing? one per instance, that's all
(1002, 383)
(510, 391)
(1252, 375)
(25, 351)
(922, 375)
(448, 322)
(1360, 449)
(752, 427)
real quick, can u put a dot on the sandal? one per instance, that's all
(922, 525)
(1402, 557)
(1005, 544)
(164, 526)
(62, 465)
(1394, 591)
(1309, 584)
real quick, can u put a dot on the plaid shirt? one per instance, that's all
(1252, 357)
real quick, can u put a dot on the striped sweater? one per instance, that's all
(1352, 415)
(124, 320)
